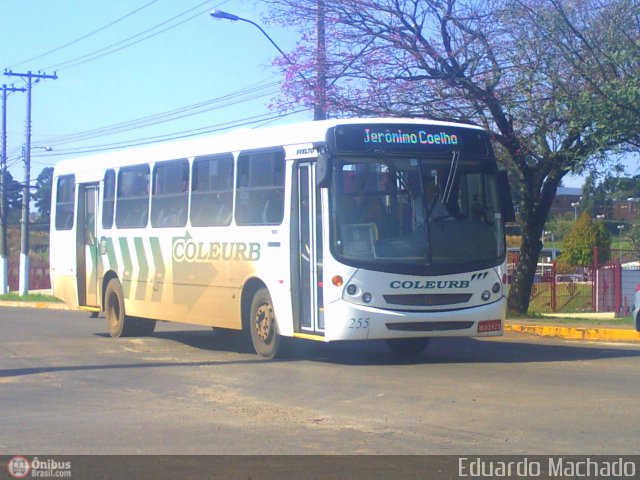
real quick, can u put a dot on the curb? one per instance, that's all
(39, 305)
(576, 333)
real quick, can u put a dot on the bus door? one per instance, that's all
(308, 246)
(87, 245)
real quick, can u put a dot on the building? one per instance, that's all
(567, 200)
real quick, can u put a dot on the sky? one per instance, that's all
(207, 73)
(127, 63)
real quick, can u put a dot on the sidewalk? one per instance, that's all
(585, 331)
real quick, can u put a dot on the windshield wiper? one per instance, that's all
(388, 161)
(453, 171)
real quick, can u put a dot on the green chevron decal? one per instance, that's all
(128, 267)
(111, 255)
(144, 268)
(158, 280)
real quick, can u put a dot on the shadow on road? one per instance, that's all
(456, 351)
(440, 351)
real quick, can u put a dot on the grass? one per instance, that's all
(32, 297)
(570, 297)
(622, 321)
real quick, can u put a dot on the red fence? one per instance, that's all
(607, 292)
(610, 289)
(38, 273)
(554, 292)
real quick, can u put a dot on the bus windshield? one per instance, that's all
(438, 210)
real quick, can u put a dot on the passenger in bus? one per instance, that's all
(477, 209)
(435, 207)
(375, 212)
(347, 209)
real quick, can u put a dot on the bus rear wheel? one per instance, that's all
(407, 347)
(119, 324)
(262, 325)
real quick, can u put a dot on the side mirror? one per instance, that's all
(323, 169)
(508, 214)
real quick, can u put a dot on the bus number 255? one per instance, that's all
(358, 323)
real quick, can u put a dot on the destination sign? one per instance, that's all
(401, 137)
(405, 138)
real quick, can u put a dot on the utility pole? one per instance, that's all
(26, 150)
(320, 89)
(4, 278)
(320, 98)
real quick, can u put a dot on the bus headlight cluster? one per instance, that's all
(495, 288)
(353, 290)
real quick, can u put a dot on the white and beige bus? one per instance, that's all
(354, 229)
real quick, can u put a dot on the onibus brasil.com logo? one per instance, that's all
(21, 467)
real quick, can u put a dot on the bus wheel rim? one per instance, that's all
(264, 323)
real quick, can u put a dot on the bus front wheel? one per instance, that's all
(262, 325)
(119, 324)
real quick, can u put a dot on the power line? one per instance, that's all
(109, 49)
(247, 94)
(73, 42)
(268, 117)
(258, 90)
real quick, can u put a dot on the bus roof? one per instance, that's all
(233, 141)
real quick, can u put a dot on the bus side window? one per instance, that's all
(170, 196)
(109, 199)
(65, 197)
(132, 202)
(212, 191)
(260, 189)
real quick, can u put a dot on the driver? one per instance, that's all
(435, 207)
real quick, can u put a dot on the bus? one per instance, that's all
(353, 229)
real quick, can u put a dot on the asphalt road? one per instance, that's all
(67, 388)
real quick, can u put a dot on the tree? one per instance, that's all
(577, 247)
(634, 235)
(42, 194)
(599, 199)
(13, 197)
(556, 83)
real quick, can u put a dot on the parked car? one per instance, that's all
(636, 308)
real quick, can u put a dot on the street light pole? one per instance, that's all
(319, 110)
(320, 92)
(23, 275)
(553, 244)
(575, 210)
(620, 228)
(633, 212)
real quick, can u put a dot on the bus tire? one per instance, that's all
(262, 325)
(408, 347)
(119, 324)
